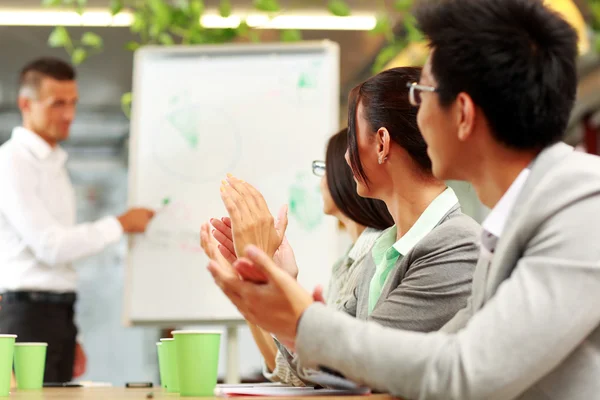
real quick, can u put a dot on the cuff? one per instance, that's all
(111, 229)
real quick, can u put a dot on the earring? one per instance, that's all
(382, 160)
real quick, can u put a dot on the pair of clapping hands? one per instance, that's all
(249, 223)
(253, 264)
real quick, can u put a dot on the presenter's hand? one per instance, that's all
(136, 220)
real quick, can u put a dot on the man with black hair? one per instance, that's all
(39, 237)
(495, 97)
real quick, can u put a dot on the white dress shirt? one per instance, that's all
(39, 238)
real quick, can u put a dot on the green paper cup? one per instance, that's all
(198, 361)
(170, 353)
(30, 363)
(7, 347)
(162, 364)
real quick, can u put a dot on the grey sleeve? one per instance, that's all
(551, 297)
(461, 318)
(436, 285)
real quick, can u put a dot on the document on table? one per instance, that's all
(284, 391)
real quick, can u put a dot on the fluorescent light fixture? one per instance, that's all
(63, 18)
(313, 22)
(260, 21)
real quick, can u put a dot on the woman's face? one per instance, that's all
(329, 207)
(368, 154)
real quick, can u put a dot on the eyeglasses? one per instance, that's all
(414, 95)
(318, 168)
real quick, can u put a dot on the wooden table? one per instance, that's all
(139, 394)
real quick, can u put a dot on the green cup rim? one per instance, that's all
(8, 336)
(166, 340)
(158, 343)
(197, 332)
(31, 344)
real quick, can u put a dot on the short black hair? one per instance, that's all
(515, 58)
(384, 98)
(371, 213)
(46, 67)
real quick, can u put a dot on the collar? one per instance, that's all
(428, 220)
(38, 146)
(364, 240)
(496, 220)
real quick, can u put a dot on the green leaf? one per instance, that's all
(166, 39)
(161, 15)
(412, 32)
(225, 8)
(92, 40)
(339, 8)
(403, 5)
(115, 7)
(80, 5)
(387, 54)
(59, 37)
(79, 55)
(254, 36)
(139, 22)
(267, 5)
(290, 35)
(132, 46)
(52, 3)
(126, 100)
(195, 10)
(383, 26)
(243, 28)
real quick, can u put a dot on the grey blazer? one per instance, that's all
(430, 284)
(532, 327)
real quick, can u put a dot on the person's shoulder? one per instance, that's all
(574, 178)
(456, 225)
(14, 159)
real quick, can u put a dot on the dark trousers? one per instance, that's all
(44, 322)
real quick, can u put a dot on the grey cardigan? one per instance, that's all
(430, 284)
(426, 288)
(532, 327)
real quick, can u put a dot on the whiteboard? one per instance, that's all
(261, 112)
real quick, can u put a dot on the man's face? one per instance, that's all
(51, 112)
(439, 127)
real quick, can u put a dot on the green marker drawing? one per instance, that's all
(306, 202)
(184, 120)
(166, 201)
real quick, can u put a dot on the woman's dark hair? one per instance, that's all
(342, 186)
(385, 102)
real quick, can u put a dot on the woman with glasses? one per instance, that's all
(364, 220)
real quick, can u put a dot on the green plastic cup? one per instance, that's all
(30, 364)
(170, 353)
(162, 365)
(7, 347)
(198, 361)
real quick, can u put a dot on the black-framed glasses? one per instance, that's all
(414, 94)
(318, 168)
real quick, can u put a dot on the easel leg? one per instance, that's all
(233, 358)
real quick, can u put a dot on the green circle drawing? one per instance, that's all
(306, 203)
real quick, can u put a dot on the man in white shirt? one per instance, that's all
(39, 237)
